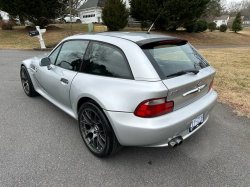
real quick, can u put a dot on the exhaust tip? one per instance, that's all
(175, 141)
(172, 143)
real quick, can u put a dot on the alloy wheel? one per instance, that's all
(25, 81)
(93, 130)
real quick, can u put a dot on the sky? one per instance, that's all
(233, 0)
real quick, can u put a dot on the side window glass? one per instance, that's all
(54, 55)
(106, 60)
(71, 55)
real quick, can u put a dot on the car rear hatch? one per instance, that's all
(183, 70)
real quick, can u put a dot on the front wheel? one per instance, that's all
(27, 83)
(96, 131)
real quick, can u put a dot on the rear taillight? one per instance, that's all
(211, 85)
(154, 107)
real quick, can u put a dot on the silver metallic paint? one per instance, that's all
(135, 131)
(120, 97)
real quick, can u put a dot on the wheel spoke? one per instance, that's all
(88, 133)
(88, 114)
(85, 119)
(95, 142)
(27, 88)
(102, 137)
(100, 141)
(91, 141)
(23, 75)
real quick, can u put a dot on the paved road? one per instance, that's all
(41, 146)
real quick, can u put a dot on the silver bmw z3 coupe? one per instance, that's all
(125, 88)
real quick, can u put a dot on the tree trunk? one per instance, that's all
(71, 17)
(21, 19)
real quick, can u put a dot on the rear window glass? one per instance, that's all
(173, 58)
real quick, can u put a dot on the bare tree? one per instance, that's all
(243, 7)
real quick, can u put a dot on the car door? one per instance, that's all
(66, 62)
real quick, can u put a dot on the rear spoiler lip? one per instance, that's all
(141, 43)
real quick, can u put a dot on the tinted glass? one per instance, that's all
(54, 55)
(71, 55)
(106, 60)
(175, 58)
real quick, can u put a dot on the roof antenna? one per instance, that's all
(156, 19)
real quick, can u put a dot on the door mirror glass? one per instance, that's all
(45, 61)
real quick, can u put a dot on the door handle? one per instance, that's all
(65, 81)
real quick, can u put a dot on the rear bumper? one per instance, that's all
(156, 132)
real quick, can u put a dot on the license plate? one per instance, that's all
(196, 123)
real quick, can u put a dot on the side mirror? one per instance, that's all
(45, 62)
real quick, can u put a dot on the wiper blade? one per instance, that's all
(195, 71)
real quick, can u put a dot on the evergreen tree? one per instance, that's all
(237, 24)
(175, 14)
(37, 12)
(115, 15)
(213, 8)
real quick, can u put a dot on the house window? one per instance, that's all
(88, 16)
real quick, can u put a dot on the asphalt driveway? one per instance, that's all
(41, 146)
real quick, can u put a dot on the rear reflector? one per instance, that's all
(211, 85)
(154, 107)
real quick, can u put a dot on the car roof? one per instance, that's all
(141, 38)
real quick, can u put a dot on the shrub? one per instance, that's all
(198, 26)
(115, 14)
(6, 25)
(191, 28)
(212, 26)
(223, 28)
(202, 25)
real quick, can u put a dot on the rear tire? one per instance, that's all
(78, 21)
(27, 83)
(96, 131)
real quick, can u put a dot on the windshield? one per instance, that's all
(172, 58)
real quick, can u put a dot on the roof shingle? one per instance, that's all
(223, 17)
(93, 3)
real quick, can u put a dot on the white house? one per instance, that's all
(221, 20)
(91, 11)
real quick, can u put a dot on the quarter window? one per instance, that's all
(71, 55)
(106, 60)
